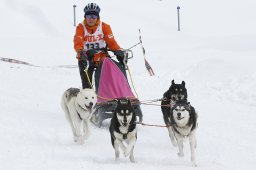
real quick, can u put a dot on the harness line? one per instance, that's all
(144, 124)
(132, 82)
(86, 72)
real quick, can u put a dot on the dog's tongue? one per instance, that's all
(88, 107)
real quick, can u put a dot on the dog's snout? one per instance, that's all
(179, 114)
(91, 103)
(125, 119)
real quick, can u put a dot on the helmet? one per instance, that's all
(91, 9)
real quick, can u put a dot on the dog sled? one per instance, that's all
(111, 84)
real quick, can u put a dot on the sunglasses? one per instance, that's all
(91, 17)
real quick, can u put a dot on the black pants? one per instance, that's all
(84, 79)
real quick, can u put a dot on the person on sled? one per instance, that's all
(93, 34)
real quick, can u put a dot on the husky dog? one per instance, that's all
(184, 118)
(78, 105)
(176, 92)
(123, 129)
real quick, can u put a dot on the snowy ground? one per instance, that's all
(214, 53)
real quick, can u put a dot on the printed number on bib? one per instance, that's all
(93, 46)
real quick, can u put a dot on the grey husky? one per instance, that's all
(78, 105)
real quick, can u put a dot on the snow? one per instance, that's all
(213, 53)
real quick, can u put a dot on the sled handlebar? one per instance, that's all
(128, 53)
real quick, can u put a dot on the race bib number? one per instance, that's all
(92, 46)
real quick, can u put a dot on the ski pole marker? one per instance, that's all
(74, 13)
(147, 65)
(178, 13)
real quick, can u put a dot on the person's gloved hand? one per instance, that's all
(79, 53)
(120, 56)
(90, 54)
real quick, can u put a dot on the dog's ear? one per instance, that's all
(183, 83)
(173, 82)
(166, 94)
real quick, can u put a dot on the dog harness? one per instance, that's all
(79, 115)
(125, 136)
(187, 128)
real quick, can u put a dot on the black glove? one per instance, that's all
(83, 56)
(120, 56)
(78, 54)
(90, 54)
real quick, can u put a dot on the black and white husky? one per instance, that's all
(176, 92)
(123, 129)
(78, 105)
(184, 124)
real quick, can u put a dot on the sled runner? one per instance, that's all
(111, 83)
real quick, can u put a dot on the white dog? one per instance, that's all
(78, 105)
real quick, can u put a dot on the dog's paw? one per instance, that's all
(132, 161)
(180, 154)
(80, 140)
(75, 138)
(194, 164)
(132, 158)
